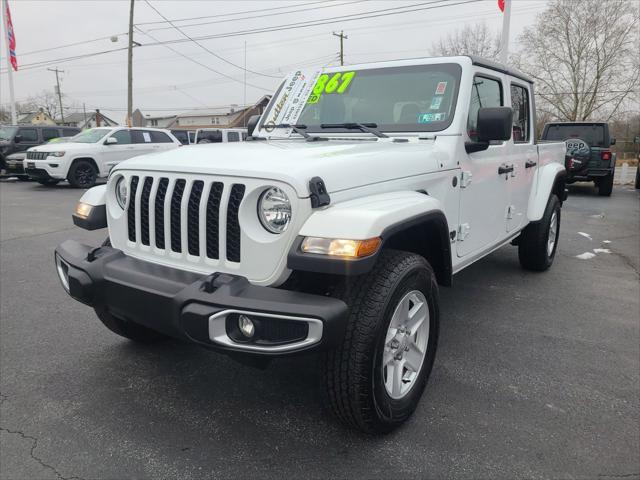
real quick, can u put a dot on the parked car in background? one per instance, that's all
(186, 137)
(15, 139)
(93, 153)
(591, 143)
(220, 135)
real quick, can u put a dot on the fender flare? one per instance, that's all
(385, 216)
(96, 218)
(550, 179)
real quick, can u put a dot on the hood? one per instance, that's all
(56, 147)
(341, 164)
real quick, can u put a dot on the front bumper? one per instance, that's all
(43, 169)
(14, 167)
(199, 309)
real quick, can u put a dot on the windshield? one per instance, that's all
(92, 135)
(6, 133)
(593, 134)
(397, 99)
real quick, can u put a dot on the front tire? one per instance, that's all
(82, 174)
(375, 379)
(538, 242)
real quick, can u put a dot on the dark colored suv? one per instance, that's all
(597, 164)
(15, 140)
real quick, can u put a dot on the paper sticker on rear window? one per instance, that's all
(146, 136)
(432, 117)
(435, 103)
(441, 88)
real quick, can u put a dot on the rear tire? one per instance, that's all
(605, 186)
(538, 242)
(130, 330)
(82, 174)
(359, 374)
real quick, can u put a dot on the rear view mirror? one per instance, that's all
(252, 123)
(494, 124)
(111, 141)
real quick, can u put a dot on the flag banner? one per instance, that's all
(11, 38)
(501, 5)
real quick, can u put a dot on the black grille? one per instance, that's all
(144, 210)
(159, 206)
(37, 155)
(193, 218)
(176, 200)
(213, 219)
(131, 212)
(233, 226)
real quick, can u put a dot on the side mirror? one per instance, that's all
(612, 141)
(17, 138)
(494, 123)
(252, 124)
(111, 141)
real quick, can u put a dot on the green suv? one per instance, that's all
(599, 163)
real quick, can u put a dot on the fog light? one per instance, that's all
(63, 273)
(246, 326)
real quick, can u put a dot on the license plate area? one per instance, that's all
(31, 165)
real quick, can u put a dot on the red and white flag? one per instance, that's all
(11, 38)
(501, 5)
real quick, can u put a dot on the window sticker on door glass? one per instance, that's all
(336, 83)
(146, 136)
(432, 117)
(435, 103)
(441, 88)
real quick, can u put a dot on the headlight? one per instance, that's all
(56, 154)
(274, 210)
(122, 191)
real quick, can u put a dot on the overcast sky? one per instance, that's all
(166, 82)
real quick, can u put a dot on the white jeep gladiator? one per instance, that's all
(360, 190)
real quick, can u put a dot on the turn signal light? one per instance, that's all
(340, 247)
(83, 209)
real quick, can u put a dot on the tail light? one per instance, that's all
(605, 156)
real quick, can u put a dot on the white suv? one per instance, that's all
(93, 153)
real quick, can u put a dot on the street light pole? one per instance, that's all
(130, 68)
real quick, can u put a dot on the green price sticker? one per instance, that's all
(328, 84)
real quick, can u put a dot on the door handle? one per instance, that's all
(505, 169)
(530, 164)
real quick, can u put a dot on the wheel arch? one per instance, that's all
(88, 159)
(551, 179)
(407, 220)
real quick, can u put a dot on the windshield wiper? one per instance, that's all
(363, 127)
(299, 129)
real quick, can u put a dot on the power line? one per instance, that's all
(192, 60)
(332, 5)
(305, 24)
(202, 46)
(233, 13)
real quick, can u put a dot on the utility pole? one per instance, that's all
(245, 83)
(504, 41)
(342, 38)
(130, 68)
(58, 89)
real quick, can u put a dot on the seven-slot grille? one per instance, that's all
(166, 198)
(37, 155)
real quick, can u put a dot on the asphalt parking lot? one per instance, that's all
(536, 376)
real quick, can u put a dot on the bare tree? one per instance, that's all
(47, 100)
(583, 55)
(470, 40)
